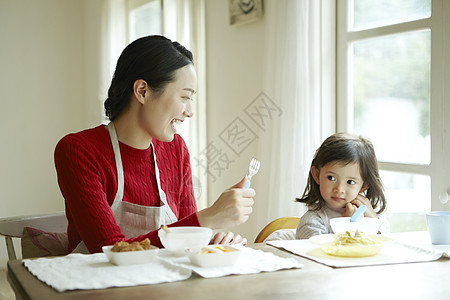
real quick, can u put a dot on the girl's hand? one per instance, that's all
(231, 209)
(349, 209)
(360, 200)
(228, 239)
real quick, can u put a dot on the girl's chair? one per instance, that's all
(289, 223)
(41, 235)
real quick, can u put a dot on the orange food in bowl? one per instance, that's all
(135, 246)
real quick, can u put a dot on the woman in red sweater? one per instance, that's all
(121, 182)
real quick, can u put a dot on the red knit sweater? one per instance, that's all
(87, 178)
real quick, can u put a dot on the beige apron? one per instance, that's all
(134, 219)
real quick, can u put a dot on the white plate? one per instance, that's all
(221, 259)
(325, 241)
(130, 257)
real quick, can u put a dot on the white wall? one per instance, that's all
(235, 65)
(48, 88)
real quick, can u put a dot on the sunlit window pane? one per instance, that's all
(391, 92)
(408, 193)
(145, 20)
(376, 13)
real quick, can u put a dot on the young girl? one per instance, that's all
(343, 176)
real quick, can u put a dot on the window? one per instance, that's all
(145, 18)
(391, 89)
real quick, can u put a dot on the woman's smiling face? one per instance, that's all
(339, 183)
(168, 108)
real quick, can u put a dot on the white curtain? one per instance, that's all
(113, 41)
(293, 80)
(184, 21)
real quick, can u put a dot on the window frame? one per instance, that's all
(439, 167)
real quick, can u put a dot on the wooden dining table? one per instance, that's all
(422, 280)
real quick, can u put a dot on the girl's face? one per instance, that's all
(164, 111)
(339, 183)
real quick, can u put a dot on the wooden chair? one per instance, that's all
(13, 227)
(280, 223)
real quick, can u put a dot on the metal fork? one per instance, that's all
(253, 168)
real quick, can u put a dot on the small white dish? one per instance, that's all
(221, 257)
(130, 257)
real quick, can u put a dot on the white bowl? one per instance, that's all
(228, 257)
(366, 225)
(130, 257)
(438, 223)
(181, 238)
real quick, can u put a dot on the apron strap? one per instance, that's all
(119, 167)
(162, 195)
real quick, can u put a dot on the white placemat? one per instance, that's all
(419, 239)
(94, 271)
(250, 261)
(391, 253)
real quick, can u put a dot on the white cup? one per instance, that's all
(438, 223)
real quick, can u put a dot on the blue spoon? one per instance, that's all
(358, 213)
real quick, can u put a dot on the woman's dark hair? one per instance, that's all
(153, 59)
(346, 148)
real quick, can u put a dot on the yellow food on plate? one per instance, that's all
(135, 246)
(359, 245)
(346, 239)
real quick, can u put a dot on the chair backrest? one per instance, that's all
(280, 223)
(13, 227)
